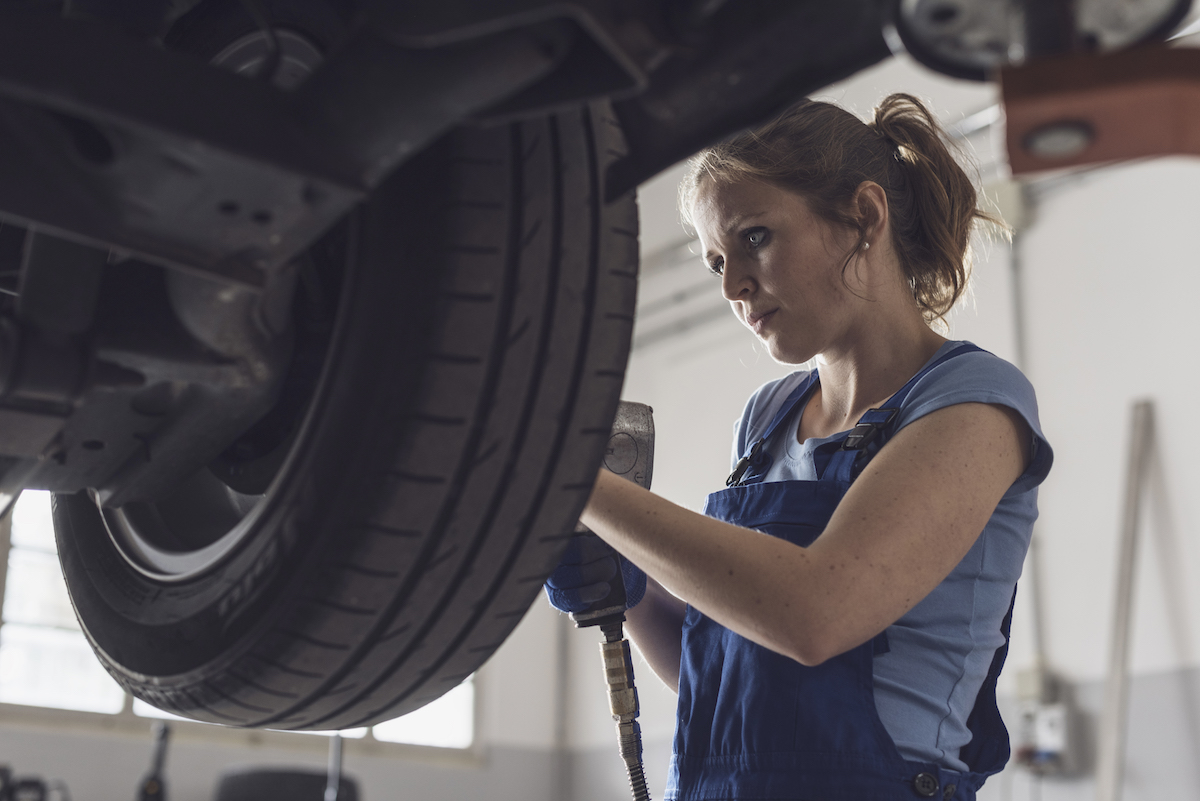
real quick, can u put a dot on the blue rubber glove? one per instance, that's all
(584, 572)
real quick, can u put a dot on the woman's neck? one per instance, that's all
(864, 375)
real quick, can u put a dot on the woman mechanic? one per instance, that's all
(836, 619)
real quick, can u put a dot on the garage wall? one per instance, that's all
(1112, 288)
(1110, 278)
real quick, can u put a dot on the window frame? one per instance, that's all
(126, 722)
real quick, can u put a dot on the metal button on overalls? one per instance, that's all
(753, 723)
(926, 784)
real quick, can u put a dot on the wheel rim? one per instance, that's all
(205, 519)
(144, 531)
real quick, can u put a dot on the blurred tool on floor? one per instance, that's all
(153, 788)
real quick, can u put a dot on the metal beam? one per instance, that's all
(1110, 757)
(736, 67)
(182, 164)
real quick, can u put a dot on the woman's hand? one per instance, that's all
(585, 574)
(904, 524)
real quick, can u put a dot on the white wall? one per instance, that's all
(1111, 293)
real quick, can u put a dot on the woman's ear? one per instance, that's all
(870, 204)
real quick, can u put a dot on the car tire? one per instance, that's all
(451, 441)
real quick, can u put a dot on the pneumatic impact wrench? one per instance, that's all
(630, 454)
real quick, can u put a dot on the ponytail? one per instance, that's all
(825, 153)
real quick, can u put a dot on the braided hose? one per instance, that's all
(630, 736)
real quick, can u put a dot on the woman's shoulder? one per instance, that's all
(978, 376)
(969, 375)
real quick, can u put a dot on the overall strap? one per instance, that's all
(755, 457)
(874, 427)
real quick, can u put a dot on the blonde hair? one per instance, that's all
(824, 153)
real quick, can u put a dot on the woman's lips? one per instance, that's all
(759, 321)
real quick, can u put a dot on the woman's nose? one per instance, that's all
(736, 282)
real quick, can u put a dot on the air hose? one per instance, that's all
(623, 702)
(622, 693)
(630, 454)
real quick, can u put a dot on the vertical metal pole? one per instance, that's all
(1032, 577)
(5, 547)
(333, 783)
(1016, 267)
(1111, 757)
(1019, 218)
(563, 779)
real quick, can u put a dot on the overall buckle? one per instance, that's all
(743, 465)
(868, 428)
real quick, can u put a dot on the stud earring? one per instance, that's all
(866, 245)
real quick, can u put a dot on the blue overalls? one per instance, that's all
(754, 724)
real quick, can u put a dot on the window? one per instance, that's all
(45, 659)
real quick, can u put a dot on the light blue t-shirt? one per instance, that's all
(940, 651)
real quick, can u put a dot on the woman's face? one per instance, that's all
(780, 266)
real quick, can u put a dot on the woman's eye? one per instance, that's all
(756, 236)
(716, 266)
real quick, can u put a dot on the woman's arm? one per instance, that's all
(656, 626)
(901, 528)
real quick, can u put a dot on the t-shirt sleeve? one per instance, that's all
(980, 377)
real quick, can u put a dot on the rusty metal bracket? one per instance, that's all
(1087, 109)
